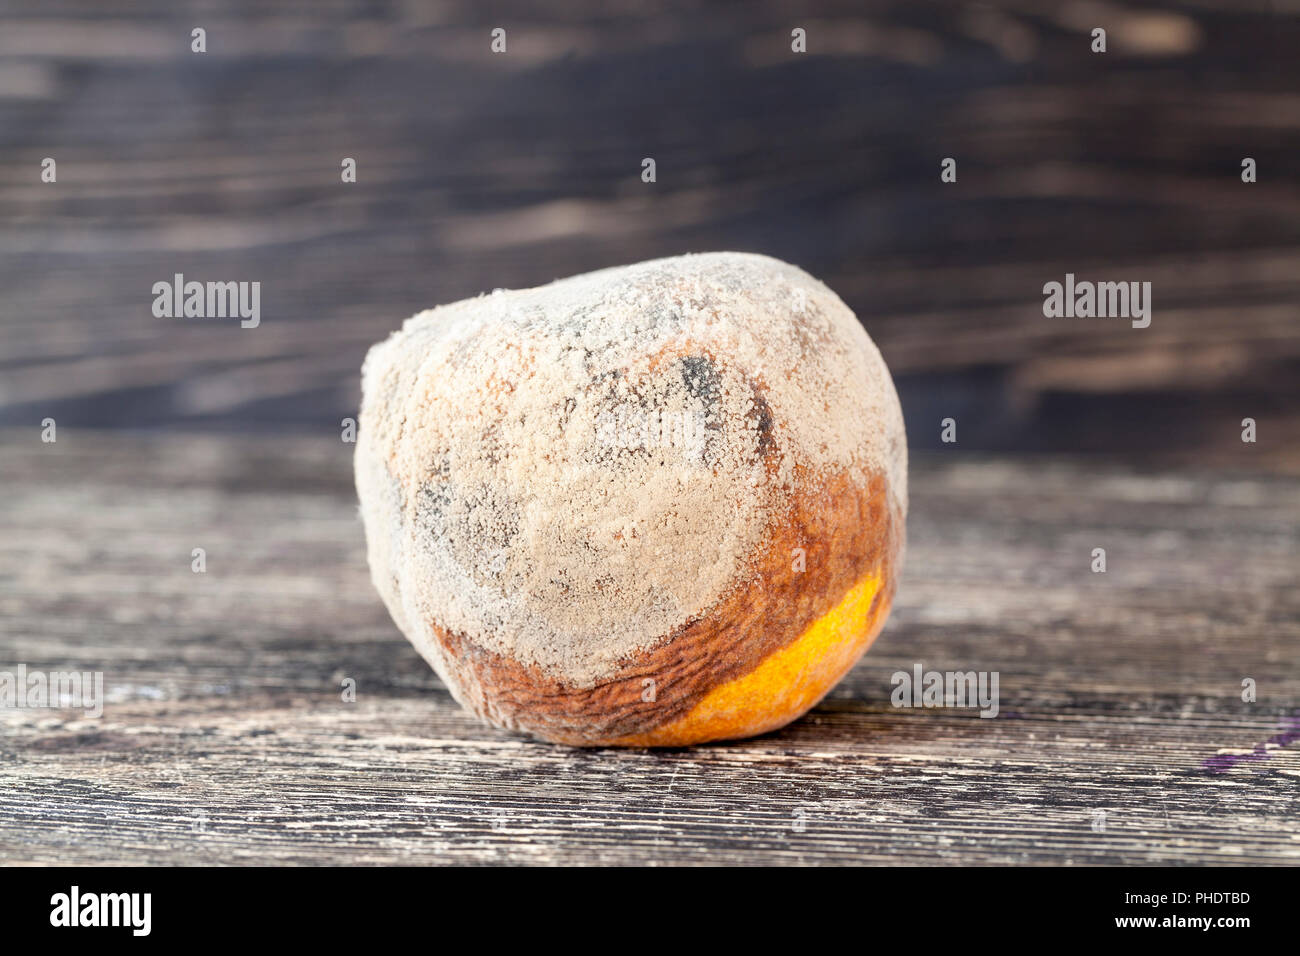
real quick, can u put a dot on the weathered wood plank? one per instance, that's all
(478, 171)
(225, 739)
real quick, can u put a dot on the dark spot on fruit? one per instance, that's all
(701, 379)
(763, 413)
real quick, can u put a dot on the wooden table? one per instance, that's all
(477, 170)
(1121, 737)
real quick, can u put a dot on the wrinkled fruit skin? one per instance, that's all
(649, 506)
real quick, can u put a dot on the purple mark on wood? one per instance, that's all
(1220, 763)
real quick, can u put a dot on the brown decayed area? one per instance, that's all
(847, 531)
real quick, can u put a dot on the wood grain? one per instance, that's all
(225, 739)
(479, 171)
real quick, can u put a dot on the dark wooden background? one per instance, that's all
(479, 171)
(225, 739)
